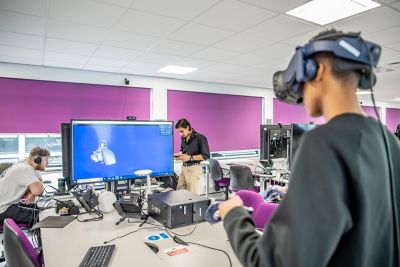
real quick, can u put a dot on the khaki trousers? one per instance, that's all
(189, 178)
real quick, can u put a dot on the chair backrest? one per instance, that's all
(18, 250)
(4, 166)
(241, 177)
(250, 198)
(263, 214)
(215, 170)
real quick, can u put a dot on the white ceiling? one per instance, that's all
(230, 41)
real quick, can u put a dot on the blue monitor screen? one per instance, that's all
(114, 150)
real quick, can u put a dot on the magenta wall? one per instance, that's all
(370, 111)
(392, 118)
(287, 114)
(229, 122)
(31, 106)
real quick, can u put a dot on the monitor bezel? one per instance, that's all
(73, 182)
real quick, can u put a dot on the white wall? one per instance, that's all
(158, 85)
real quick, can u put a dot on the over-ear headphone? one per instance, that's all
(38, 157)
(351, 52)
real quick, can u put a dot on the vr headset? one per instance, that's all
(351, 52)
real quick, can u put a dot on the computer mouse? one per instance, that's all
(153, 247)
(47, 182)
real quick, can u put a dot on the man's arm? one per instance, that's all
(36, 188)
(204, 150)
(308, 224)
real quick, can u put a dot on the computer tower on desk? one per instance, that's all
(177, 208)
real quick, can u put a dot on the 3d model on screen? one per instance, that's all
(103, 154)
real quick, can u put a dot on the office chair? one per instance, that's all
(217, 175)
(250, 199)
(4, 166)
(241, 178)
(21, 226)
(262, 211)
(18, 250)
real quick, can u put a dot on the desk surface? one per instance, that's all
(67, 246)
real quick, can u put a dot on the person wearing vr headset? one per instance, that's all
(20, 184)
(342, 205)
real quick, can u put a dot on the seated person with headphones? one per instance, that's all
(342, 204)
(20, 184)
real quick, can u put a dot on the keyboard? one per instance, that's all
(98, 256)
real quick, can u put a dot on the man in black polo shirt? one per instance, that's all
(194, 149)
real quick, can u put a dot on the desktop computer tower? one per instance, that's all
(177, 208)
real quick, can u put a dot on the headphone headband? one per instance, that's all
(352, 52)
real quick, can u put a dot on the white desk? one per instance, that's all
(67, 246)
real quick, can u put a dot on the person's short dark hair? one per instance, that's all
(38, 151)
(183, 123)
(344, 76)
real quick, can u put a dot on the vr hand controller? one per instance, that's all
(212, 213)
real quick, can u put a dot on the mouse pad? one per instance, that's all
(54, 222)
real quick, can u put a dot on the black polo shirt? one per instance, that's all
(196, 145)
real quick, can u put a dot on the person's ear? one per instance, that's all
(320, 72)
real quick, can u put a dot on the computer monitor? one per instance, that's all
(66, 150)
(274, 141)
(104, 151)
(297, 131)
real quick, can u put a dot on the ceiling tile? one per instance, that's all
(388, 1)
(183, 9)
(143, 68)
(277, 6)
(384, 61)
(212, 53)
(96, 61)
(302, 39)
(396, 5)
(176, 48)
(242, 43)
(19, 23)
(234, 15)
(276, 51)
(124, 3)
(130, 40)
(273, 64)
(223, 67)
(20, 52)
(147, 23)
(195, 63)
(159, 58)
(20, 60)
(63, 64)
(36, 8)
(65, 57)
(117, 53)
(103, 68)
(387, 52)
(385, 37)
(395, 46)
(21, 40)
(75, 32)
(384, 17)
(89, 12)
(280, 28)
(247, 60)
(69, 47)
(199, 34)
